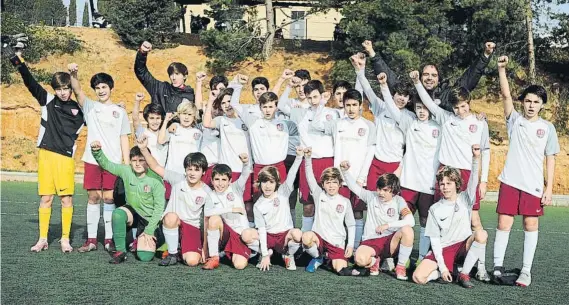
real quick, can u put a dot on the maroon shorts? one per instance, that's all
(96, 178)
(453, 254)
(206, 178)
(377, 169)
(381, 246)
(232, 244)
(248, 186)
(357, 203)
(512, 201)
(465, 175)
(258, 167)
(277, 242)
(417, 201)
(190, 238)
(333, 251)
(318, 166)
(168, 188)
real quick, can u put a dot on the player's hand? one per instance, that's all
(145, 47)
(169, 116)
(244, 157)
(242, 79)
(354, 59)
(382, 228)
(239, 211)
(295, 81)
(446, 276)
(382, 79)
(146, 241)
(368, 47)
(546, 198)
(489, 48)
(95, 146)
(142, 142)
(265, 263)
(482, 116)
(503, 62)
(73, 67)
(482, 187)
(414, 75)
(138, 97)
(299, 151)
(476, 151)
(287, 74)
(200, 76)
(349, 252)
(345, 165)
(308, 152)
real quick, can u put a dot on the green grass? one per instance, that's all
(51, 277)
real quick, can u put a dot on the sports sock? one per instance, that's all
(213, 242)
(530, 243)
(293, 216)
(134, 231)
(434, 276)
(66, 218)
(476, 251)
(171, 237)
(107, 217)
(145, 256)
(312, 251)
(500, 246)
(251, 224)
(118, 221)
(372, 262)
(93, 216)
(292, 247)
(307, 223)
(359, 232)
(44, 217)
(253, 245)
(404, 253)
(424, 244)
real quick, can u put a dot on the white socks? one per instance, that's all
(404, 253)
(253, 245)
(359, 232)
(530, 244)
(312, 251)
(213, 242)
(251, 224)
(434, 276)
(424, 244)
(93, 216)
(293, 247)
(500, 245)
(307, 223)
(108, 217)
(476, 251)
(171, 237)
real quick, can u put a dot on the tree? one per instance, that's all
(85, 21)
(528, 13)
(50, 12)
(73, 12)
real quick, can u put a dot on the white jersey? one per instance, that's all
(222, 204)
(331, 213)
(530, 142)
(322, 144)
(158, 151)
(106, 123)
(186, 202)
(234, 140)
(181, 143)
(286, 106)
(210, 145)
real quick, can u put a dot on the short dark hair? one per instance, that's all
(268, 173)
(352, 94)
(102, 78)
(313, 85)
(268, 97)
(389, 180)
(135, 152)
(154, 109)
(341, 84)
(60, 79)
(223, 93)
(260, 81)
(216, 80)
(402, 88)
(302, 74)
(534, 89)
(222, 170)
(196, 159)
(177, 67)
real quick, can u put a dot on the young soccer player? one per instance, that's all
(296, 81)
(354, 140)
(336, 102)
(226, 220)
(183, 214)
(389, 224)
(272, 215)
(168, 95)
(332, 212)
(61, 122)
(153, 114)
(448, 227)
(145, 202)
(108, 123)
(521, 190)
(421, 159)
(216, 85)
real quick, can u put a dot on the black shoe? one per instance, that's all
(464, 281)
(118, 257)
(169, 260)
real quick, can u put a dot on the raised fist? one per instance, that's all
(295, 81)
(287, 74)
(73, 67)
(169, 116)
(414, 75)
(242, 79)
(145, 47)
(367, 46)
(503, 61)
(382, 78)
(139, 97)
(345, 165)
(308, 152)
(299, 151)
(142, 142)
(244, 157)
(200, 76)
(95, 146)
(489, 48)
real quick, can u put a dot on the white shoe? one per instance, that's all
(65, 245)
(524, 279)
(482, 275)
(289, 262)
(40, 245)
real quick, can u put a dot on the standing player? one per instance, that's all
(108, 123)
(153, 114)
(389, 224)
(532, 139)
(337, 101)
(61, 122)
(448, 227)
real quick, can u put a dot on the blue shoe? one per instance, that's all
(314, 264)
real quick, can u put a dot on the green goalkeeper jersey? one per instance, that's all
(145, 195)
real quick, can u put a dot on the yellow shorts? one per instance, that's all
(56, 174)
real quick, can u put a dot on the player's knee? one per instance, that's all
(307, 239)
(170, 220)
(419, 279)
(308, 210)
(240, 264)
(108, 197)
(94, 197)
(407, 232)
(361, 260)
(296, 235)
(531, 224)
(214, 222)
(192, 261)
(481, 236)
(145, 256)
(249, 235)
(46, 201)
(66, 201)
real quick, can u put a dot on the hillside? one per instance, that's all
(103, 52)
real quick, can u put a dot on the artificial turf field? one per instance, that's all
(51, 277)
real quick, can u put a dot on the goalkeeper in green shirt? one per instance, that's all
(145, 203)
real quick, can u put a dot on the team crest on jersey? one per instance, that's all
(200, 200)
(147, 189)
(230, 197)
(116, 114)
(280, 127)
(435, 133)
(74, 111)
(361, 132)
(540, 133)
(244, 127)
(473, 128)
(391, 212)
(276, 202)
(339, 208)
(328, 117)
(197, 136)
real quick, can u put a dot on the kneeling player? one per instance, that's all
(272, 215)
(331, 212)
(144, 204)
(448, 227)
(384, 233)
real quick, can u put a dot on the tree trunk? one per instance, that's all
(531, 53)
(268, 44)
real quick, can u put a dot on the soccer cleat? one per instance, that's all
(482, 275)
(133, 245)
(89, 245)
(289, 262)
(524, 279)
(464, 281)
(169, 260)
(211, 263)
(65, 245)
(118, 257)
(401, 272)
(40, 245)
(314, 264)
(109, 245)
(390, 263)
(374, 269)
